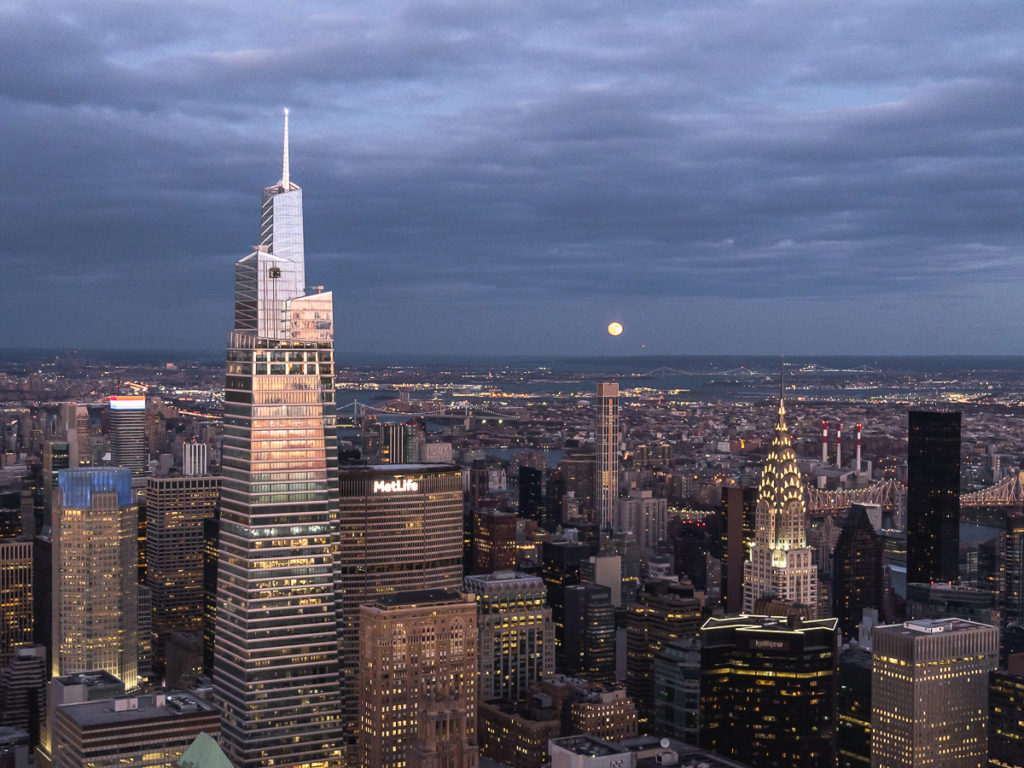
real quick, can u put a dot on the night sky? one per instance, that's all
(510, 177)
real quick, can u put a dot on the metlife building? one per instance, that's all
(401, 530)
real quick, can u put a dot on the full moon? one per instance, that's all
(615, 328)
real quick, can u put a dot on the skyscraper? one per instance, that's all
(16, 614)
(857, 579)
(95, 587)
(607, 486)
(401, 530)
(128, 447)
(768, 690)
(780, 563)
(276, 657)
(418, 681)
(176, 508)
(929, 693)
(517, 636)
(933, 497)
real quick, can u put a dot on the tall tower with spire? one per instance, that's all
(276, 671)
(781, 564)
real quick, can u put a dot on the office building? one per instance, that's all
(1006, 716)
(951, 601)
(401, 530)
(737, 509)
(128, 442)
(645, 517)
(781, 565)
(23, 692)
(95, 589)
(853, 708)
(517, 736)
(664, 611)
(418, 681)
(531, 494)
(93, 685)
(857, 571)
(517, 635)
(1011, 600)
(150, 731)
(194, 461)
(933, 497)
(276, 657)
(578, 470)
(608, 713)
(211, 535)
(606, 489)
(56, 456)
(772, 680)
(677, 690)
(494, 541)
(176, 508)
(16, 604)
(560, 569)
(589, 639)
(929, 693)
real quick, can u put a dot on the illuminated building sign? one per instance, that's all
(395, 486)
(127, 403)
(771, 644)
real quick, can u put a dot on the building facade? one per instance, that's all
(773, 681)
(400, 530)
(95, 587)
(150, 731)
(128, 442)
(418, 681)
(929, 693)
(606, 490)
(16, 599)
(517, 635)
(857, 571)
(781, 564)
(176, 508)
(933, 497)
(276, 653)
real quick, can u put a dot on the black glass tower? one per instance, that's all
(933, 497)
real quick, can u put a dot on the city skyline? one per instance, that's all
(849, 172)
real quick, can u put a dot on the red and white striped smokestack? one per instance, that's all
(857, 467)
(839, 445)
(824, 442)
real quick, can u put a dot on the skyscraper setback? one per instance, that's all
(276, 658)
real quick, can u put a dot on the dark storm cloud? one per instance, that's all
(516, 174)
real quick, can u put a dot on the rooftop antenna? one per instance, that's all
(782, 387)
(285, 181)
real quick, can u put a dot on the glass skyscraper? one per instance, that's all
(276, 649)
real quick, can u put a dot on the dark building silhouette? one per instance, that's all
(664, 611)
(211, 532)
(853, 708)
(494, 541)
(933, 496)
(531, 495)
(767, 690)
(560, 569)
(737, 535)
(589, 640)
(857, 571)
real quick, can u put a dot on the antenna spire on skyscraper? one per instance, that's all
(285, 181)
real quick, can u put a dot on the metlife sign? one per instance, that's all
(395, 486)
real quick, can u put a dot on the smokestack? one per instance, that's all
(839, 445)
(857, 466)
(824, 442)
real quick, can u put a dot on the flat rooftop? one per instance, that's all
(417, 597)
(589, 746)
(933, 626)
(122, 710)
(398, 468)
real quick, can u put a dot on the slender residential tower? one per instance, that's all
(607, 491)
(276, 652)
(780, 563)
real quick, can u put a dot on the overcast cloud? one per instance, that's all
(484, 176)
